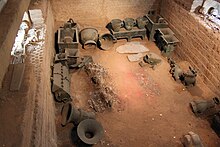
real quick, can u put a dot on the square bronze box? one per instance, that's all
(73, 44)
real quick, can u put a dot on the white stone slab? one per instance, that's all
(132, 48)
(135, 57)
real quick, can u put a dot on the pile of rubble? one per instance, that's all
(104, 96)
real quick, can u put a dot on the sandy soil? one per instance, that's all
(154, 110)
(16, 110)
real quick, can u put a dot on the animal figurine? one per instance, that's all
(150, 60)
(175, 70)
(189, 78)
(192, 140)
(201, 106)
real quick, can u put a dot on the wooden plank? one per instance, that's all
(17, 76)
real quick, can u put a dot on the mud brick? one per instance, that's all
(198, 45)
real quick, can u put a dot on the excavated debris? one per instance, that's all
(104, 95)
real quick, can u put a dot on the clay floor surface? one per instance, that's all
(154, 109)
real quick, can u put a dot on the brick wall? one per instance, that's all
(44, 129)
(48, 131)
(98, 13)
(199, 45)
(186, 4)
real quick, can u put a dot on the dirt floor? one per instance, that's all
(154, 109)
(16, 110)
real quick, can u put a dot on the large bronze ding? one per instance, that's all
(89, 38)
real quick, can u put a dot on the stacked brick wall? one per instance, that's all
(44, 129)
(186, 4)
(199, 44)
(98, 13)
(48, 134)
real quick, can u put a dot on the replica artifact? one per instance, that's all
(141, 22)
(89, 38)
(189, 78)
(161, 32)
(106, 41)
(201, 106)
(125, 34)
(164, 31)
(68, 36)
(192, 140)
(70, 57)
(70, 114)
(175, 70)
(168, 44)
(129, 29)
(150, 59)
(116, 25)
(215, 123)
(61, 82)
(154, 22)
(129, 23)
(90, 131)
